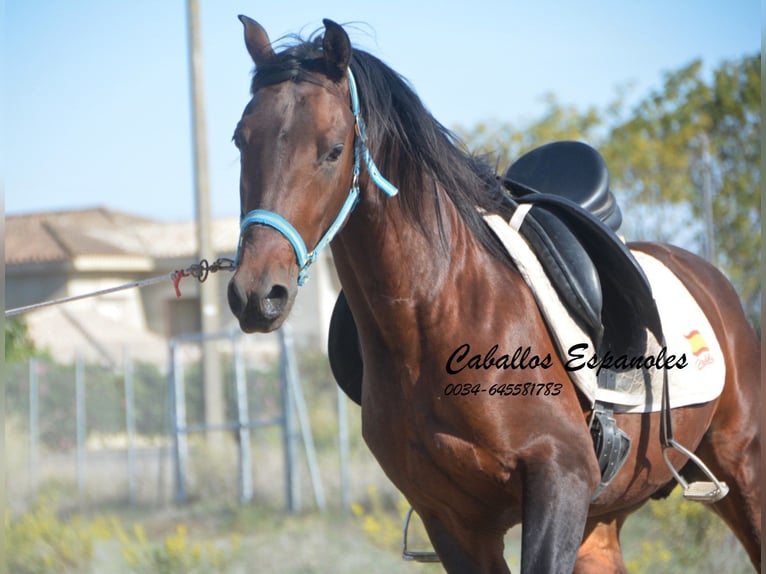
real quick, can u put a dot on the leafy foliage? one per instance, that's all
(683, 536)
(18, 345)
(177, 554)
(505, 142)
(695, 134)
(104, 399)
(39, 542)
(698, 135)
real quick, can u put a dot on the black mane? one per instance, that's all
(411, 148)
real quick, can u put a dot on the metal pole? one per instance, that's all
(208, 299)
(292, 490)
(81, 426)
(130, 427)
(345, 494)
(243, 420)
(296, 391)
(707, 199)
(179, 424)
(165, 452)
(34, 427)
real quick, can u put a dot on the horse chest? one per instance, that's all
(415, 430)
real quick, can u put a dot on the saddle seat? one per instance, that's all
(568, 169)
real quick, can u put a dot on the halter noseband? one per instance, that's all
(276, 221)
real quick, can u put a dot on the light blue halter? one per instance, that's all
(271, 219)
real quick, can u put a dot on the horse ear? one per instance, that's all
(256, 40)
(336, 47)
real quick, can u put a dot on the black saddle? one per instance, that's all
(572, 227)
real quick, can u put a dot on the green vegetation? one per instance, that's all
(176, 554)
(40, 541)
(697, 130)
(672, 536)
(676, 536)
(18, 345)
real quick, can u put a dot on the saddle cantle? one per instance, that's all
(568, 169)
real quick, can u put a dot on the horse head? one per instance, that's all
(296, 140)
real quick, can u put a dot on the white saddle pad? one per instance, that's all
(692, 356)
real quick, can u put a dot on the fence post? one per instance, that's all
(345, 494)
(34, 427)
(243, 422)
(81, 426)
(180, 443)
(130, 426)
(296, 391)
(292, 490)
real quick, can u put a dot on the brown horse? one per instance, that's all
(423, 275)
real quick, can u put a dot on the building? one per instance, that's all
(59, 254)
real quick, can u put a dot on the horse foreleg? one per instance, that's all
(555, 510)
(600, 550)
(465, 550)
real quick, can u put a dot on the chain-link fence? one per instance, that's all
(94, 435)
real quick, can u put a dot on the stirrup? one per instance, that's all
(611, 445)
(700, 491)
(415, 555)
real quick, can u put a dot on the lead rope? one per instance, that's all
(200, 271)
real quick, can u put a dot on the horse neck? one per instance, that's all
(394, 276)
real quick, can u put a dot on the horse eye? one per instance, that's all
(334, 153)
(240, 137)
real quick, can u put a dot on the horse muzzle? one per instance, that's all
(261, 293)
(259, 311)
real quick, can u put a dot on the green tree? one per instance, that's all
(504, 142)
(697, 133)
(694, 136)
(735, 141)
(18, 345)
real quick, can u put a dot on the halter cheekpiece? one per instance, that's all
(276, 221)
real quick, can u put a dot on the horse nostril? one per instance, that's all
(237, 299)
(259, 309)
(278, 293)
(273, 304)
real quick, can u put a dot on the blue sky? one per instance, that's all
(97, 92)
